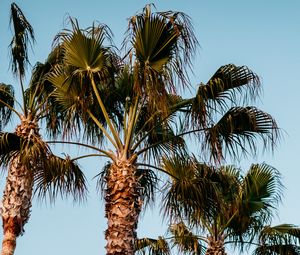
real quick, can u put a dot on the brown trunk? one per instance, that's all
(215, 246)
(16, 204)
(123, 206)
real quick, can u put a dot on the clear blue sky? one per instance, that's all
(264, 35)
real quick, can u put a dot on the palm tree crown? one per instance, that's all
(129, 110)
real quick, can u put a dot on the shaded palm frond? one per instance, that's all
(59, 176)
(284, 249)
(162, 140)
(237, 129)
(152, 246)
(281, 239)
(23, 34)
(225, 87)
(185, 241)
(148, 183)
(10, 144)
(6, 103)
(190, 194)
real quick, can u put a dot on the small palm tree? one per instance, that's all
(128, 108)
(241, 217)
(29, 159)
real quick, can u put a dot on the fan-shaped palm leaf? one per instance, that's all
(55, 175)
(223, 89)
(238, 129)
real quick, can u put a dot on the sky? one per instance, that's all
(263, 35)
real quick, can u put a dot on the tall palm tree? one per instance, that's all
(29, 159)
(246, 206)
(130, 112)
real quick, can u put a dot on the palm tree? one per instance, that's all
(29, 159)
(242, 216)
(129, 110)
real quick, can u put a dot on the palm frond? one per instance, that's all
(162, 45)
(6, 103)
(59, 176)
(148, 182)
(236, 132)
(23, 34)
(10, 145)
(190, 194)
(225, 88)
(258, 199)
(185, 241)
(283, 249)
(280, 237)
(152, 246)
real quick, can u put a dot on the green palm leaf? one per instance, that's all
(184, 239)
(23, 34)
(162, 44)
(222, 89)
(190, 191)
(57, 176)
(281, 239)
(6, 103)
(10, 144)
(260, 193)
(237, 129)
(152, 246)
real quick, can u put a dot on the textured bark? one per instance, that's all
(16, 202)
(216, 246)
(123, 206)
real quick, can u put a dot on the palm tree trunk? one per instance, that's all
(215, 246)
(123, 206)
(16, 204)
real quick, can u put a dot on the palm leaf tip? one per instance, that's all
(23, 34)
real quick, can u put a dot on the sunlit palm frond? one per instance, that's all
(262, 190)
(260, 193)
(151, 246)
(162, 45)
(59, 176)
(6, 103)
(236, 131)
(84, 51)
(225, 88)
(185, 241)
(23, 34)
